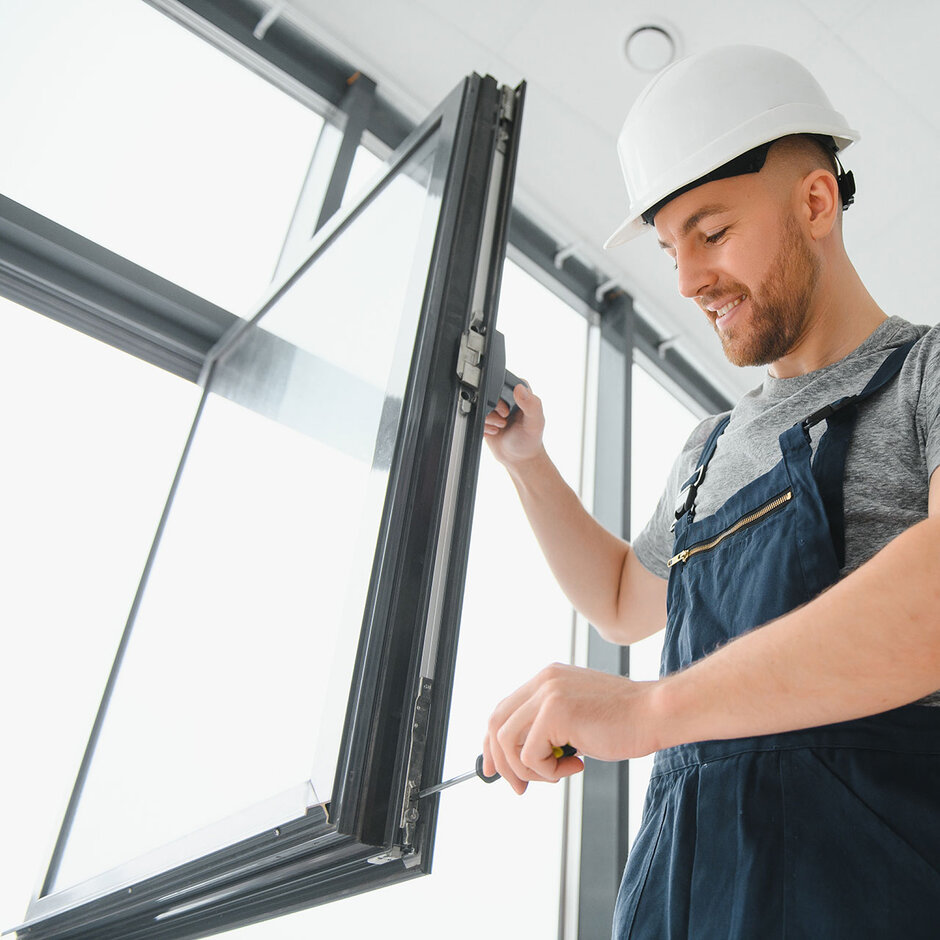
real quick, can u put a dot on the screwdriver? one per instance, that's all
(557, 752)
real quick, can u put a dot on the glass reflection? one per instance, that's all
(234, 685)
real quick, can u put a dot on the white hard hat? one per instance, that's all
(701, 112)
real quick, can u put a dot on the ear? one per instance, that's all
(820, 202)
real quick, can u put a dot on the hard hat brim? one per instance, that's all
(630, 229)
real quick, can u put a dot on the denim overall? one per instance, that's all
(823, 833)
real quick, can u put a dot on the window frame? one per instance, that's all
(372, 832)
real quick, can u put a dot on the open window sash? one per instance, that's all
(323, 393)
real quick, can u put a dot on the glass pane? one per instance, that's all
(366, 165)
(234, 687)
(661, 425)
(91, 440)
(130, 130)
(490, 843)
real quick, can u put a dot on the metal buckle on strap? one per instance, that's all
(817, 416)
(687, 494)
(827, 411)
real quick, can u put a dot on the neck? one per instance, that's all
(842, 316)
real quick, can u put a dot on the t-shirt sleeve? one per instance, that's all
(653, 545)
(928, 404)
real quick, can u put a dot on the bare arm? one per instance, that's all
(868, 644)
(598, 572)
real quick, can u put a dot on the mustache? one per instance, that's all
(728, 289)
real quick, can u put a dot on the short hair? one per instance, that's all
(814, 151)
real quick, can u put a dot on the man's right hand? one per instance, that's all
(514, 440)
(598, 571)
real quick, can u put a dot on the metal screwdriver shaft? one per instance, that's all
(557, 752)
(476, 772)
(447, 783)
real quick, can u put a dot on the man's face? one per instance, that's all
(741, 256)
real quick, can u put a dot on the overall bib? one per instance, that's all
(824, 833)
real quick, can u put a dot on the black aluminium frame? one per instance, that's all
(373, 831)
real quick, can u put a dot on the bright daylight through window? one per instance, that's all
(92, 438)
(127, 129)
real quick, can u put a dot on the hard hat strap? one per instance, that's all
(752, 161)
(846, 183)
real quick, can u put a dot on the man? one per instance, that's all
(796, 789)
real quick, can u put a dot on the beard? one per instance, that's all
(779, 309)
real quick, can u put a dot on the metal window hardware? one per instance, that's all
(507, 103)
(472, 346)
(663, 346)
(269, 18)
(395, 854)
(415, 766)
(507, 112)
(563, 254)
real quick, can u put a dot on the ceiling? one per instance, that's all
(878, 63)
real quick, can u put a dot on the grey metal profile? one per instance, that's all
(357, 105)
(605, 802)
(282, 55)
(57, 272)
(321, 194)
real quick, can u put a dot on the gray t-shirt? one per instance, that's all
(894, 449)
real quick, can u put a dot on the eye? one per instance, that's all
(716, 237)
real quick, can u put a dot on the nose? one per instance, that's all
(695, 274)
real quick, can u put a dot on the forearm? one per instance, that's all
(587, 561)
(870, 643)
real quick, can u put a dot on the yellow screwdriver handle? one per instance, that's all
(566, 751)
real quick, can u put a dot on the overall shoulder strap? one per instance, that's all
(686, 501)
(829, 462)
(885, 373)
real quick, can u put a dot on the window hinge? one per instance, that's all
(415, 767)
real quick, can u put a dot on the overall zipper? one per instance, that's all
(752, 517)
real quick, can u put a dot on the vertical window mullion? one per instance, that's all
(605, 828)
(325, 183)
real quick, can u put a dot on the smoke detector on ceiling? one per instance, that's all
(651, 47)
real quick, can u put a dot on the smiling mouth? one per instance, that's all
(718, 316)
(728, 307)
